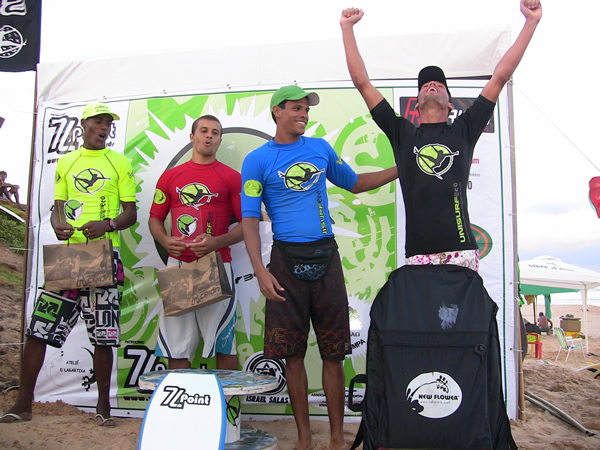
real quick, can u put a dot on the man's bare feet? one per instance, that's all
(337, 445)
(303, 444)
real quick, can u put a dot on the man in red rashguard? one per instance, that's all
(203, 197)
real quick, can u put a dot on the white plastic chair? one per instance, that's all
(568, 343)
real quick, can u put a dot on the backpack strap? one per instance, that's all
(360, 434)
(353, 406)
(356, 407)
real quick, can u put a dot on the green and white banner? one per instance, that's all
(154, 134)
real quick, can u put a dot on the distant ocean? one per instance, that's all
(573, 298)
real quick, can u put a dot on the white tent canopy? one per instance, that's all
(462, 55)
(552, 272)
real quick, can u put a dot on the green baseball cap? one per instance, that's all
(95, 109)
(293, 92)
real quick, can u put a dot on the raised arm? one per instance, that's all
(532, 10)
(356, 65)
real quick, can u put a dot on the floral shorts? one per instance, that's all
(465, 258)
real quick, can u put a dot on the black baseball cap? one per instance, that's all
(432, 73)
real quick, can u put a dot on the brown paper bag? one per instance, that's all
(194, 285)
(79, 266)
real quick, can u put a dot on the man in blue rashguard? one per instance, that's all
(304, 281)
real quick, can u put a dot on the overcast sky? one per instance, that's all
(555, 85)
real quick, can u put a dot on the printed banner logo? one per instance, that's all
(234, 406)
(408, 110)
(65, 134)
(276, 368)
(483, 239)
(20, 26)
(13, 8)
(11, 41)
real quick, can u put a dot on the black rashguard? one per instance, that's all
(434, 161)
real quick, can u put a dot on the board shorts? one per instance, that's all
(465, 258)
(178, 336)
(56, 313)
(324, 301)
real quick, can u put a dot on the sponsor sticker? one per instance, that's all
(434, 395)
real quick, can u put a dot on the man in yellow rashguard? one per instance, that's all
(94, 198)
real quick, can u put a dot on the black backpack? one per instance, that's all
(433, 364)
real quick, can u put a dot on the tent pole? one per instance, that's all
(517, 317)
(28, 233)
(521, 416)
(585, 323)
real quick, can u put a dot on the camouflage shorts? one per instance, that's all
(56, 313)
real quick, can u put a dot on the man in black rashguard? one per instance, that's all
(434, 159)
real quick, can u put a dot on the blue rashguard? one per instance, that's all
(291, 181)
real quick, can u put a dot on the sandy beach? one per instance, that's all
(58, 425)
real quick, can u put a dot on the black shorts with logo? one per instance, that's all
(324, 302)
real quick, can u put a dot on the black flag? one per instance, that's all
(20, 26)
